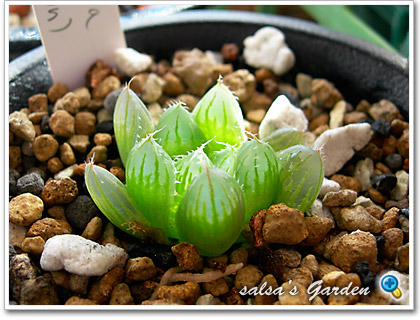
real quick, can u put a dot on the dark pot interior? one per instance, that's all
(358, 69)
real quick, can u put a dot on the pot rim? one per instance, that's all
(395, 60)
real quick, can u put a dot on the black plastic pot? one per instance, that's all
(359, 69)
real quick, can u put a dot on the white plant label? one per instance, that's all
(75, 36)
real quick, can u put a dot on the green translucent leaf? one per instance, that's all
(225, 159)
(112, 198)
(150, 177)
(211, 214)
(132, 122)
(219, 117)
(256, 169)
(177, 131)
(284, 138)
(300, 178)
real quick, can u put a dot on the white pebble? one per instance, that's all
(328, 186)
(131, 62)
(363, 171)
(282, 114)
(317, 209)
(80, 256)
(267, 49)
(338, 145)
(337, 114)
(400, 190)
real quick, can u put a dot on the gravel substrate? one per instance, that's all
(356, 229)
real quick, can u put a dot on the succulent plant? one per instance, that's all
(196, 178)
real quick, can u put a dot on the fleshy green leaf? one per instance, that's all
(132, 122)
(150, 177)
(300, 178)
(177, 131)
(112, 198)
(219, 117)
(256, 169)
(284, 138)
(225, 159)
(211, 213)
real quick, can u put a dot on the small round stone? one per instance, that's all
(394, 161)
(111, 99)
(85, 123)
(384, 182)
(30, 183)
(13, 177)
(56, 91)
(25, 209)
(45, 147)
(105, 127)
(54, 165)
(62, 123)
(80, 211)
(102, 139)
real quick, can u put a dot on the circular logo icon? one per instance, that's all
(389, 283)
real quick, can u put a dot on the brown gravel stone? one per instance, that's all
(256, 115)
(325, 268)
(230, 51)
(233, 297)
(384, 109)
(78, 284)
(70, 103)
(38, 102)
(357, 246)
(102, 139)
(398, 126)
(390, 219)
(187, 255)
(242, 83)
(106, 86)
(300, 298)
(79, 143)
(75, 300)
(394, 238)
(140, 269)
(33, 245)
(216, 287)
(239, 256)
(346, 182)
(249, 276)
(354, 117)
(221, 70)
(341, 198)
(310, 263)
(324, 94)
(317, 227)
(319, 121)
(402, 259)
(377, 196)
(67, 155)
(54, 165)
(56, 91)
(377, 297)
(93, 229)
(403, 143)
(21, 126)
(85, 123)
(371, 151)
(291, 258)
(38, 291)
(36, 117)
(62, 123)
(98, 154)
(21, 269)
(25, 209)
(121, 295)
(101, 290)
(376, 211)
(59, 192)
(17, 235)
(187, 292)
(57, 212)
(45, 147)
(301, 275)
(304, 85)
(82, 94)
(357, 218)
(291, 221)
(257, 101)
(350, 280)
(48, 228)
(15, 157)
(118, 172)
(218, 263)
(268, 284)
(174, 85)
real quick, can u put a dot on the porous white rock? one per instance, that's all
(282, 114)
(131, 62)
(81, 256)
(267, 49)
(328, 186)
(338, 145)
(363, 171)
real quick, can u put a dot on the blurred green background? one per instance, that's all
(384, 25)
